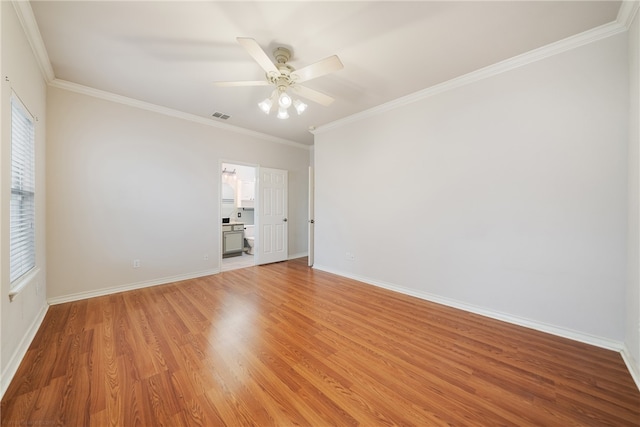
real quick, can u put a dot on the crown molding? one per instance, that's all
(627, 12)
(569, 43)
(109, 96)
(30, 27)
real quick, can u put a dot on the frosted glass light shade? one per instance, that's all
(265, 105)
(282, 113)
(284, 100)
(299, 106)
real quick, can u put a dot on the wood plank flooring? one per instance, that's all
(287, 345)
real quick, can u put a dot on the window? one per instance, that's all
(22, 236)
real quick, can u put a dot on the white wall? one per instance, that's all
(22, 316)
(519, 186)
(126, 183)
(632, 335)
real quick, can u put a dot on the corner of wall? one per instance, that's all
(631, 354)
(11, 367)
(632, 365)
(22, 74)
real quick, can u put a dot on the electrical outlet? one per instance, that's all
(37, 288)
(136, 263)
(206, 257)
(239, 214)
(350, 256)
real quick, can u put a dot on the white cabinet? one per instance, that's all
(232, 240)
(246, 194)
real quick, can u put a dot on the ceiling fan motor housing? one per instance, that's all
(282, 55)
(283, 77)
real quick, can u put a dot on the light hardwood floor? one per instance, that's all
(284, 344)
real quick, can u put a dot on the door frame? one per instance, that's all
(311, 218)
(256, 209)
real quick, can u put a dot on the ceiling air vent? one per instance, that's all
(221, 116)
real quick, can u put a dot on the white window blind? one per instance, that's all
(22, 236)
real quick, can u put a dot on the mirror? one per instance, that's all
(228, 200)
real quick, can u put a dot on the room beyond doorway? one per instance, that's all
(237, 209)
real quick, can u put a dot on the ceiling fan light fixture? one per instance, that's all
(283, 77)
(283, 113)
(299, 106)
(265, 105)
(284, 100)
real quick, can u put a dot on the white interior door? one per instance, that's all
(311, 217)
(272, 216)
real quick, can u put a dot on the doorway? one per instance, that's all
(237, 209)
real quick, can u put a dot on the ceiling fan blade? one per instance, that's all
(256, 52)
(318, 69)
(243, 83)
(313, 95)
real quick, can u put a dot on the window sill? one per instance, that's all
(22, 282)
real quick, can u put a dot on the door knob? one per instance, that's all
(285, 220)
(311, 221)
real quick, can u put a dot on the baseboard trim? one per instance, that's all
(605, 343)
(298, 255)
(520, 321)
(631, 365)
(130, 287)
(17, 356)
(139, 285)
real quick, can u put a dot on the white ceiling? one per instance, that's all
(170, 53)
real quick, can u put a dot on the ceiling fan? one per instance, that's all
(284, 77)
